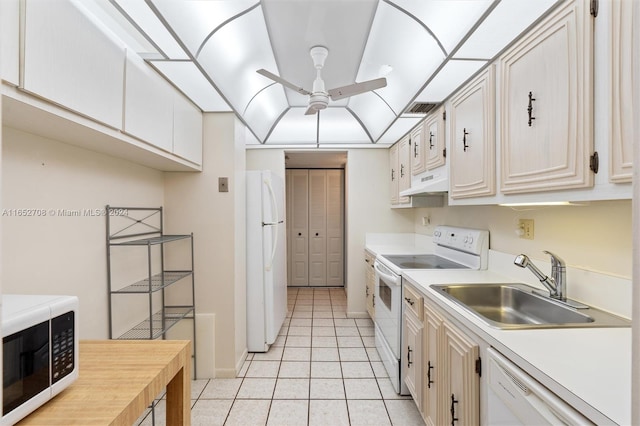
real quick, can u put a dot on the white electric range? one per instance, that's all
(455, 248)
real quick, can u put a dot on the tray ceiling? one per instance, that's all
(211, 50)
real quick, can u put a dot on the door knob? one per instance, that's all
(299, 234)
(316, 234)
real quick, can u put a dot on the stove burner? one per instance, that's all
(423, 261)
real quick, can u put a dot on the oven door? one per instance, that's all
(388, 297)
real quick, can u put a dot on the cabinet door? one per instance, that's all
(472, 143)
(461, 393)
(298, 218)
(394, 175)
(10, 41)
(546, 123)
(418, 157)
(187, 129)
(335, 227)
(431, 366)
(317, 227)
(148, 109)
(433, 140)
(404, 167)
(622, 87)
(412, 355)
(71, 61)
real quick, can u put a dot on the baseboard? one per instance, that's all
(226, 373)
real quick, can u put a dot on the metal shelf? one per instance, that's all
(158, 282)
(152, 329)
(143, 227)
(161, 239)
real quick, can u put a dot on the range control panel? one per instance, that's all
(474, 241)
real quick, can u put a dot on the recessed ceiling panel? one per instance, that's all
(448, 79)
(149, 23)
(337, 125)
(188, 78)
(438, 16)
(399, 129)
(194, 20)
(232, 56)
(373, 112)
(502, 26)
(264, 110)
(405, 49)
(295, 26)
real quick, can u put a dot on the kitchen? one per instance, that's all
(44, 167)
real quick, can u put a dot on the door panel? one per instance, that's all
(298, 215)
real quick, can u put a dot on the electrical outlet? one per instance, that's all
(426, 220)
(526, 228)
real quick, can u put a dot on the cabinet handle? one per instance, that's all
(316, 234)
(453, 410)
(299, 234)
(409, 362)
(409, 301)
(373, 298)
(393, 175)
(367, 292)
(415, 150)
(530, 108)
(429, 368)
(464, 139)
(401, 170)
(430, 140)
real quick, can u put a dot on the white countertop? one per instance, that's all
(590, 368)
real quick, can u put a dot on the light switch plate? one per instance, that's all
(223, 184)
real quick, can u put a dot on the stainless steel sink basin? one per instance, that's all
(519, 306)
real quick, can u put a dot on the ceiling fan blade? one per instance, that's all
(310, 110)
(356, 88)
(282, 81)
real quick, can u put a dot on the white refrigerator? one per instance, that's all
(266, 259)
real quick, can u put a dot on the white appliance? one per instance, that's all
(39, 351)
(455, 248)
(515, 398)
(266, 259)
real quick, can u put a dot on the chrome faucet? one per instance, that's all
(557, 283)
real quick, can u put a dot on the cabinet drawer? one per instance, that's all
(413, 301)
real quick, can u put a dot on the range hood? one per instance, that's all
(430, 184)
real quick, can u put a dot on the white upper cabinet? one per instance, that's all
(434, 141)
(546, 114)
(472, 143)
(622, 86)
(187, 129)
(10, 41)
(148, 104)
(70, 61)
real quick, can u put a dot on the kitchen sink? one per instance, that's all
(519, 306)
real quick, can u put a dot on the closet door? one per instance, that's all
(317, 227)
(298, 216)
(335, 227)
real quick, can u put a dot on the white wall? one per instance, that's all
(366, 209)
(595, 236)
(55, 254)
(217, 220)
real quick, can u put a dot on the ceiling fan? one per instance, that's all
(319, 96)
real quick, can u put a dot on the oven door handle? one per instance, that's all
(386, 275)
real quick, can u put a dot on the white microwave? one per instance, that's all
(39, 351)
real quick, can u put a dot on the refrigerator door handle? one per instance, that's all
(275, 209)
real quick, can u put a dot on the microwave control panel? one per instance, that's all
(62, 346)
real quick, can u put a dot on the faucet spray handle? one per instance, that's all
(556, 261)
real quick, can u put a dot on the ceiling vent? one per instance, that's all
(420, 108)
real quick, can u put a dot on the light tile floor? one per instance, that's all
(323, 369)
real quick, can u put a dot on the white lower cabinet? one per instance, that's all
(442, 364)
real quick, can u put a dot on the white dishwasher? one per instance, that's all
(515, 398)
